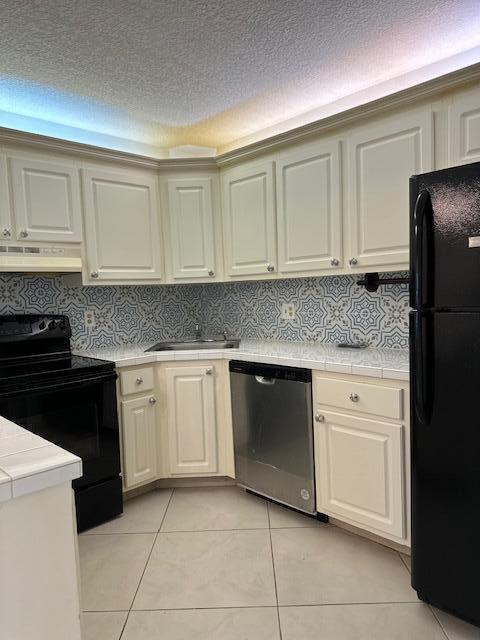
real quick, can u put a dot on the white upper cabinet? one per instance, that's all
(191, 419)
(249, 219)
(122, 232)
(46, 200)
(382, 155)
(308, 208)
(191, 229)
(6, 231)
(464, 128)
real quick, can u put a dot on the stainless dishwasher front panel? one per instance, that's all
(273, 436)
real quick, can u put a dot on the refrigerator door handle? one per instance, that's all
(423, 200)
(419, 369)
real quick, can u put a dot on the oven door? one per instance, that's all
(78, 414)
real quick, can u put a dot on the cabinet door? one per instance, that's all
(308, 208)
(464, 128)
(5, 213)
(191, 420)
(381, 158)
(192, 237)
(249, 219)
(359, 471)
(139, 441)
(121, 224)
(46, 200)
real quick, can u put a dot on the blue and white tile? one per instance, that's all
(328, 310)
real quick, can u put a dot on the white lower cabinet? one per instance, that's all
(139, 441)
(191, 420)
(359, 466)
(175, 421)
(362, 460)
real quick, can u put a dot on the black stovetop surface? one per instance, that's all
(20, 373)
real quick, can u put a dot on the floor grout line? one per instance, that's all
(137, 533)
(404, 562)
(120, 533)
(268, 606)
(146, 564)
(274, 574)
(439, 622)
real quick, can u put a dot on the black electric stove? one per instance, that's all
(66, 399)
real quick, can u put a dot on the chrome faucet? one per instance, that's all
(198, 331)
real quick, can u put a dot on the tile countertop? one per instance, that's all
(29, 463)
(378, 363)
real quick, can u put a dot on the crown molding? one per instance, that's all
(58, 145)
(91, 152)
(429, 89)
(426, 90)
(187, 163)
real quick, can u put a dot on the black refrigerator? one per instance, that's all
(445, 388)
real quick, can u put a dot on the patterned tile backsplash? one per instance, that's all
(329, 309)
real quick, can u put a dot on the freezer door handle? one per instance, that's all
(420, 371)
(418, 259)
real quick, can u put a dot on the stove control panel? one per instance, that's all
(31, 327)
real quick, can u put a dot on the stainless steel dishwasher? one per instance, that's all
(273, 432)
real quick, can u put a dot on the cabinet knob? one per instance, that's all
(209, 372)
(270, 268)
(319, 417)
(6, 233)
(334, 262)
(139, 380)
(94, 274)
(354, 397)
(211, 273)
(152, 400)
(352, 262)
(23, 234)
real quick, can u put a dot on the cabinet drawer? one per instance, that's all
(136, 380)
(358, 396)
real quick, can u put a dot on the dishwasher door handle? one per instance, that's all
(267, 381)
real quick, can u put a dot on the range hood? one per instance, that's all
(40, 259)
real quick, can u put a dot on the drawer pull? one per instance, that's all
(354, 397)
(152, 400)
(209, 372)
(319, 417)
(139, 380)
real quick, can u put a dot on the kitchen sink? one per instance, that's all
(193, 345)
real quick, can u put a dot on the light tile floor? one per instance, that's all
(220, 564)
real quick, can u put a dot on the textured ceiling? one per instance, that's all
(213, 72)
